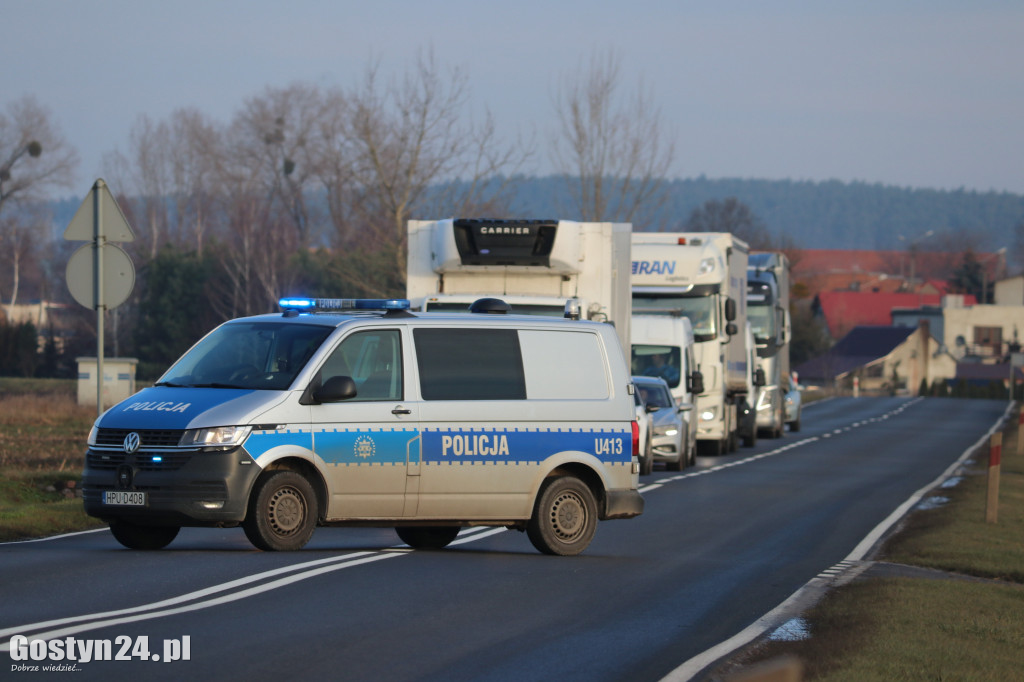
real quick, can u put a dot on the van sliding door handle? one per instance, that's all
(401, 410)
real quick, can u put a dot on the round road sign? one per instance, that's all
(118, 276)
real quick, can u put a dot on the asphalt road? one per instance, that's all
(718, 546)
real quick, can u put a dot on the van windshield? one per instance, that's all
(656, 361)
(249, 355)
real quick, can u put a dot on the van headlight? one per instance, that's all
(218, 437)
(92, 435)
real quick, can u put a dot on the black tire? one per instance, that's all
(684, 458)
(717, 447)
(750, 440)
(795, 426)
(282, 512)
(134, 536)
(427, 537)
(564, 517)
(647, 459)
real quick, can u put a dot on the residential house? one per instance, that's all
(882, 360)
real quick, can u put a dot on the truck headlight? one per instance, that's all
(708, 415)
(219, 437)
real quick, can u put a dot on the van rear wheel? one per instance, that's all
(282, 512)
(427, 537)
(564, 517)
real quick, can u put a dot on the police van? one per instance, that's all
(357, 412)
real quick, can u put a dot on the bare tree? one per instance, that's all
(277, 135)
(611, 150)
(414, 148)
(34, 158)
(730, 215)
(196, 158)
(19, 239)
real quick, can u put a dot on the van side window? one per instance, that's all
(374, 361)
(469, 364)
(562, 365)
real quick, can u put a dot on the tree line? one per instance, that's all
(308, 189)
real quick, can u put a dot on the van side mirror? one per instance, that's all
(335, 389)
(730, 309)
(696, 382)
(759, 378)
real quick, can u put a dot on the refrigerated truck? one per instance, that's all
(702, 276)
(768, 282)
(536, 266)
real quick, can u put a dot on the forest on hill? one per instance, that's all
(820, 215)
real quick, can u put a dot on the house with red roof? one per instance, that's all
(842, 311)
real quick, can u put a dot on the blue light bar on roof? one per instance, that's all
(338, 304)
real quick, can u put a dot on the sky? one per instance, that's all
(911, 93)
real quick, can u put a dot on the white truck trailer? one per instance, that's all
(536, 266)
(703, 276)
(768, 310)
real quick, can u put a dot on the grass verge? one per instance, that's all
(964, 625)
(42, 452)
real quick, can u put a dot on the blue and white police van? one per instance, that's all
(356, 412)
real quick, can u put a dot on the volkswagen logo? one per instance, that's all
(132, 443)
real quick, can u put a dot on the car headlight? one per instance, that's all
(666, 431)
(92, 435)
(218, 437)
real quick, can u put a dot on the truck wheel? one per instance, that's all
(564, 517)
(134, 536)
(282, 512)
(427, 537)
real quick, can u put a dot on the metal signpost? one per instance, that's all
(100, 275)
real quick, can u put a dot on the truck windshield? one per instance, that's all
(699, 309)
(249, 355)
(762, 322)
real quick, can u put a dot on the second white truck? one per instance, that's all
(703, 276)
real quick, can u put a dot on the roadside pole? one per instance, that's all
(1020, 430)
(994, 458)
(100, 275)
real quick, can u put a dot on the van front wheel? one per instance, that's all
(282, 512)
(564, 517)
